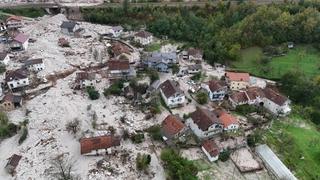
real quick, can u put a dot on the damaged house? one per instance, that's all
(85, 79)
(172, 128)
(17, 78)
(98, 145)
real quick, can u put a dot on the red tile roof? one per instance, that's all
(215, 85)
(235, 76)
(211, 147)
(100, 142)
(254, 92)
(16, 18)
(204, 118)
(226, 118)
(22, 38)
(172, 125)
(118, 65)
(239, 97)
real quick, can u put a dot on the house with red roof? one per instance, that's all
(14, 22)
(238, 98)
(20, 42)
(195, 54)
(10, 102)
(17, 78)
(143, 37)
(172, 128)
(237, 81)
(230, 122)
(118, 69)
(211, 150)
(204, 123)
(98, 145)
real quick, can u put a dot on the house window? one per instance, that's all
(24, 82)
(11, 85)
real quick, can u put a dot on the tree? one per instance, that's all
(202, 98)
(224, 155)
(62, 169)
(73, 126)
(155, 132)
(114, 89)
(143, 161)
(93, 93)
(177, 166)
(125, 6)
(175, 69)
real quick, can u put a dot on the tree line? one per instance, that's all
(223, 30)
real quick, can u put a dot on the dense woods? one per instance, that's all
(223, 30)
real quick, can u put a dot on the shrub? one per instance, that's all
(245, 109)
(143, 161)
(153, 74)
(197, 76)
(155, 132)
(253, 139)
(177, 166)
(23, 135)
(202, 98)
(224, 155)
(73, 126)
(114, 89)
(137, 138)
(93, 93)
(175, 69)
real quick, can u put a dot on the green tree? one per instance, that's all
(93, 93)
(202, 97)
(143, 161)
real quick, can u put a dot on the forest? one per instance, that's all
(223, 30)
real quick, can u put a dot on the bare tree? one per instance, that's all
(62, 169)
(73, 126)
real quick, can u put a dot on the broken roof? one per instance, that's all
(159, 56)
(211, 147)
(226, 118)
(143, 34)
(216, 85)
(12, 98)
(235, 76)
(204, 118)
(16, 74)
(254, 93)
(239, 97)
(118, 65)
(68, 25)
(33, 61)
(15, 18)
(101, 142)
(21, 38)
(120, 48)
(14, 160)
(172, 125)
(85, 76)
(170, 88)
(195, 67)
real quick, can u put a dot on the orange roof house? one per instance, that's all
(87, 145)
(229, 121)
(172, 127)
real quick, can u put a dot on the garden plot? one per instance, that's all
(245, 160)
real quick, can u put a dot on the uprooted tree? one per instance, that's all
(62, 168)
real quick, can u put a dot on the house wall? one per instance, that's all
(7, 106)
(18, 83)
(116, 33)
(210, 158)
(193, 71)
(25, 45)
(212, 130)
(231, 127)
(162, 67)
(86, 82)
(14, 24)
(238, 85)
(173, 101)
(37, 67)
(193, 58)
(144, 41)
(275, 108)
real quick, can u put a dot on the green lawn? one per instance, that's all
(297, 146)
(304, 58)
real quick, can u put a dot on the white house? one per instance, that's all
(143, 37)
(195, 68)
(230, 123)
(17, 78)
(118, 69)
(204, 123)
(195, 54)
(216, 89)
(14, 22)
(85, 79)
(275, 102)
(116, 31)
(3, 27)
(20, 42)
(4, 58)
(35, 65)
(172, 95)
(211, 150)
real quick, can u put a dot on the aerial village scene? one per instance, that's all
(92, 101)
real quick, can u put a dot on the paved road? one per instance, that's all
(169, 4)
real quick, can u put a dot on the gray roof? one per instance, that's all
(273, 163)
(195, 67)
(33, 61)
(158, 56)
(170, 88)
(154, 85)
(68, 25)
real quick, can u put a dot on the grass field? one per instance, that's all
(297, 145)
(27, 12)
(304, 58)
